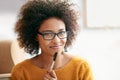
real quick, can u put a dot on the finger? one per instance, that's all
(45, 78)
(52, 73)
(47, 75)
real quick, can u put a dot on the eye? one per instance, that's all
(62, 32)
(48, 34)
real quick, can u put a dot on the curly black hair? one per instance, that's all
(34, 12)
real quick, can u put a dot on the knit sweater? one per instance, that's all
(76, 69)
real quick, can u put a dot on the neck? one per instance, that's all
(45, 61)
(46, 58)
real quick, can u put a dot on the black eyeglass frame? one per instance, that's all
(42, 34)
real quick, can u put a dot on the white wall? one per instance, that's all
(7, 22)
(100, 47)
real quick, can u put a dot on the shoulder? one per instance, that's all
(84, 68)
(19, 69)
(21, 65)
(81, 62)
(77, 60)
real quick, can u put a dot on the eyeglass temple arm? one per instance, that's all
(40, 33)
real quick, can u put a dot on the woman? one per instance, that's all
(51, 27)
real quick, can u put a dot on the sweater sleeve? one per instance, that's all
(85, 72)
(17, 73)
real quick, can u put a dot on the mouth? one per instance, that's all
(55, 47)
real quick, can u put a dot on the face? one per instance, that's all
(52, 25)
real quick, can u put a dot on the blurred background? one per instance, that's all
(98, 40)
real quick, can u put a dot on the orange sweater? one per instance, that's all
(76, 69)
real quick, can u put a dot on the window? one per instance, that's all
(102, 13)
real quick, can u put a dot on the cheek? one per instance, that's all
(41, 42)
(64, 41)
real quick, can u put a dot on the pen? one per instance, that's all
(53, 62)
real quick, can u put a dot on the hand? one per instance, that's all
(50, 75)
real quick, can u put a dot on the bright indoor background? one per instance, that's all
(98, 40)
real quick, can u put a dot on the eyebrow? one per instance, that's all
(52, 31)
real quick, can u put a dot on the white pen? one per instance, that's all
(53, 62)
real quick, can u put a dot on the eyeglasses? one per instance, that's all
(51, 35)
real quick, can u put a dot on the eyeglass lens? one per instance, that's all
(51, 35)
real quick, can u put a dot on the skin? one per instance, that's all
(49, 47)
(56, 45)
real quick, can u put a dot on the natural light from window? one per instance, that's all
(103, 13)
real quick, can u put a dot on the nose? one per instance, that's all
(56, 39)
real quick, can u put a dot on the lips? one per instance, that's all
(55, 46)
